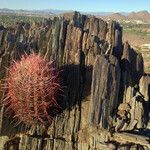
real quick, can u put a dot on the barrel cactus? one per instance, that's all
(32, 87)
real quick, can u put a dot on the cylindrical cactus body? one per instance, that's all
(32, 87)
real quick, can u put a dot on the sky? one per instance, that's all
(79, 5)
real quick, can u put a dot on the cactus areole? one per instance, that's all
(32, 86)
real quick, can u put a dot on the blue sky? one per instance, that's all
(80, 5)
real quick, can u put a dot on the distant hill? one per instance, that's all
(115, 16)
(141, 15)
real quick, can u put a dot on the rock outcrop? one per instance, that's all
(105, 89)
(106, 109)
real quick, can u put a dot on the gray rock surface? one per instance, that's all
(105, 88)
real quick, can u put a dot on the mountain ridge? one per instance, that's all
(139, 15)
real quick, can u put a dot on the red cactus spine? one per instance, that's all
(32, 86)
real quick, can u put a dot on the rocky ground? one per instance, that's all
(107, 94)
